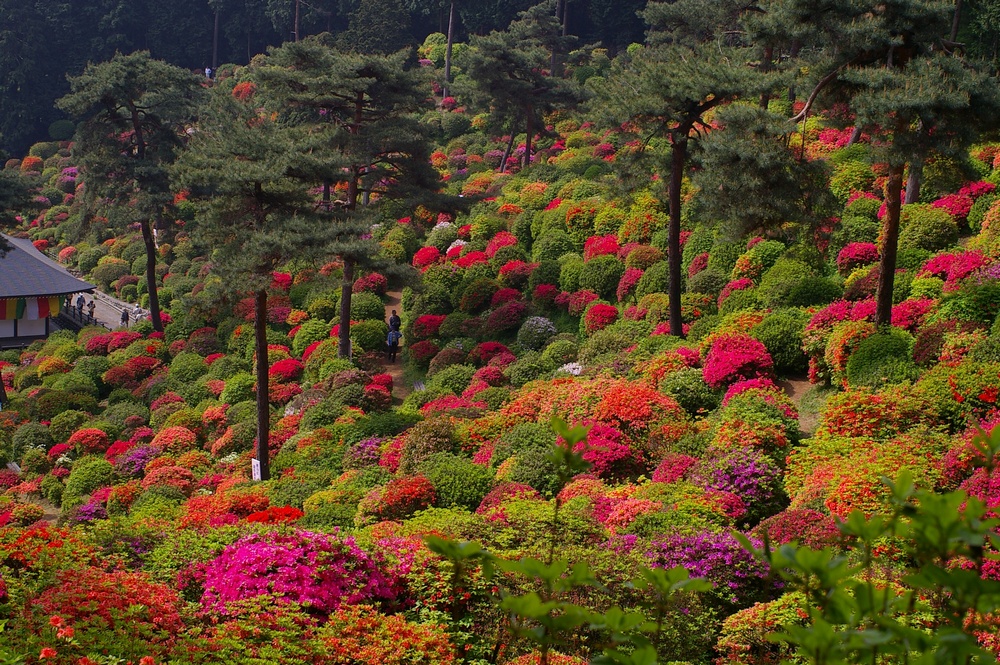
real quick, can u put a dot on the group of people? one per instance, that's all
(394, 336)
(91, 306)
(133, 315)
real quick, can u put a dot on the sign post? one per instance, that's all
(255, 468)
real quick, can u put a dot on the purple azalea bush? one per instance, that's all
(739, 578)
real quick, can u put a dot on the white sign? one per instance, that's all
(255, 468)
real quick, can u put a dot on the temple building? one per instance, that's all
(33, 290)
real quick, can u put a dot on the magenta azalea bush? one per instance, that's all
(734, 358)
(316, 570)
(856, 254)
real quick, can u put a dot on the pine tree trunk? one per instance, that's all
(887, 251)
(447, 50)
(346, 290)
(154, 300)
(263, 404)
(215, 43)
(529, 127)
(913, 181)
(955, 20)
(510, 149)
(855, 135)
(765, 66)
(296, 20)
(678, 159)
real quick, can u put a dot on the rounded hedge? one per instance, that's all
(601, 275)
(883, 359)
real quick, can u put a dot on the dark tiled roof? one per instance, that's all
(25, 272)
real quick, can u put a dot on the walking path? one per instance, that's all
(399, 388)
(107, 311)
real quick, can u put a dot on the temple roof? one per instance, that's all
(26, 272)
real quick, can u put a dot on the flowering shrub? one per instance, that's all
(276, 515)
(371, 283)
(855, 255)
(673, 467)
(425, 256)
(319, 571)
(399, 499)
(599, 316)
(175, 439)
(734, 357)
(739, 578)
(361, 635)
(579, 300)
(427, 326)
(628, 283)
(741, 284)
(170, 476)
(89, 440)
(600, 246)
(288, 369)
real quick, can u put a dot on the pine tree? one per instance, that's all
(355, 120)
(689, 67)
(507, 73)
(242, 164)
(133, 110)
(904, 84)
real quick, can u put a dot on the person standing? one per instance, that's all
(392, 344)
(124, 320)
(394, 321)
(90, 310)
(79, 304)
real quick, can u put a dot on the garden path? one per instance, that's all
(399, 387)
(796, 389)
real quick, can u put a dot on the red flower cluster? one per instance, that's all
(276, 515)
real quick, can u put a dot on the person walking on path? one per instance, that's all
(394, 321)
(79, 304)
(90, 310)
(392, 344)
(124, 321)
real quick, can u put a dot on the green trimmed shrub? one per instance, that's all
(688, 387)
(87, 475)
(455, 378)
(781, 334)
(655, 280)
(312, 330)
(456, 480)
(922, 226)
(883, 359)
(812, 291)
(367, 305)
(569, 275)
(601, 275)
(370, 334)
(780, 279)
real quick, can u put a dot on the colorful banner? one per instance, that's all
(30, 309)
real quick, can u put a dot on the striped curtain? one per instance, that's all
(30, 309)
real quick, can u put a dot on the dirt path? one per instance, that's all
(399, 387)
(797, 388)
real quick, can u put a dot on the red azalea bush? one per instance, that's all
(599, 246)
(425, 256)
(698, 263)
(673, 467)
(953, 267)
(856, 254)
(89, 440)
(132, 373)
(504, 296)
(175, 439)
(545, 294)
(422, 352)
(740, 284)
(579, 300)
(507, 317)
(627, 284)
(427, 326)
(276, 515)
(169, 476)
(372, 283)
(599, 317)
(736, 357)
(516, 273)
(483, 353)
(397, 500)
(502, 239)
(121, 600)
(285, 370)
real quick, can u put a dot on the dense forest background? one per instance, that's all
(44, 41)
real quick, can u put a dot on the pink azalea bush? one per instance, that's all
(734, 357)
(319, 571)
(856, 254)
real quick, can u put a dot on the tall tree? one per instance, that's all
(358, 123)
(751, 178)
(689, 67)
(242, 164)
(13, 198)
(507, 73)
(894, 64)
(133, 110)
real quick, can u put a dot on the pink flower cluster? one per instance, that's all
(956, 205)
(856, 254)
(599, 246)
(734, 357)
(319, 571)
(735, 285)
(953, 267)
